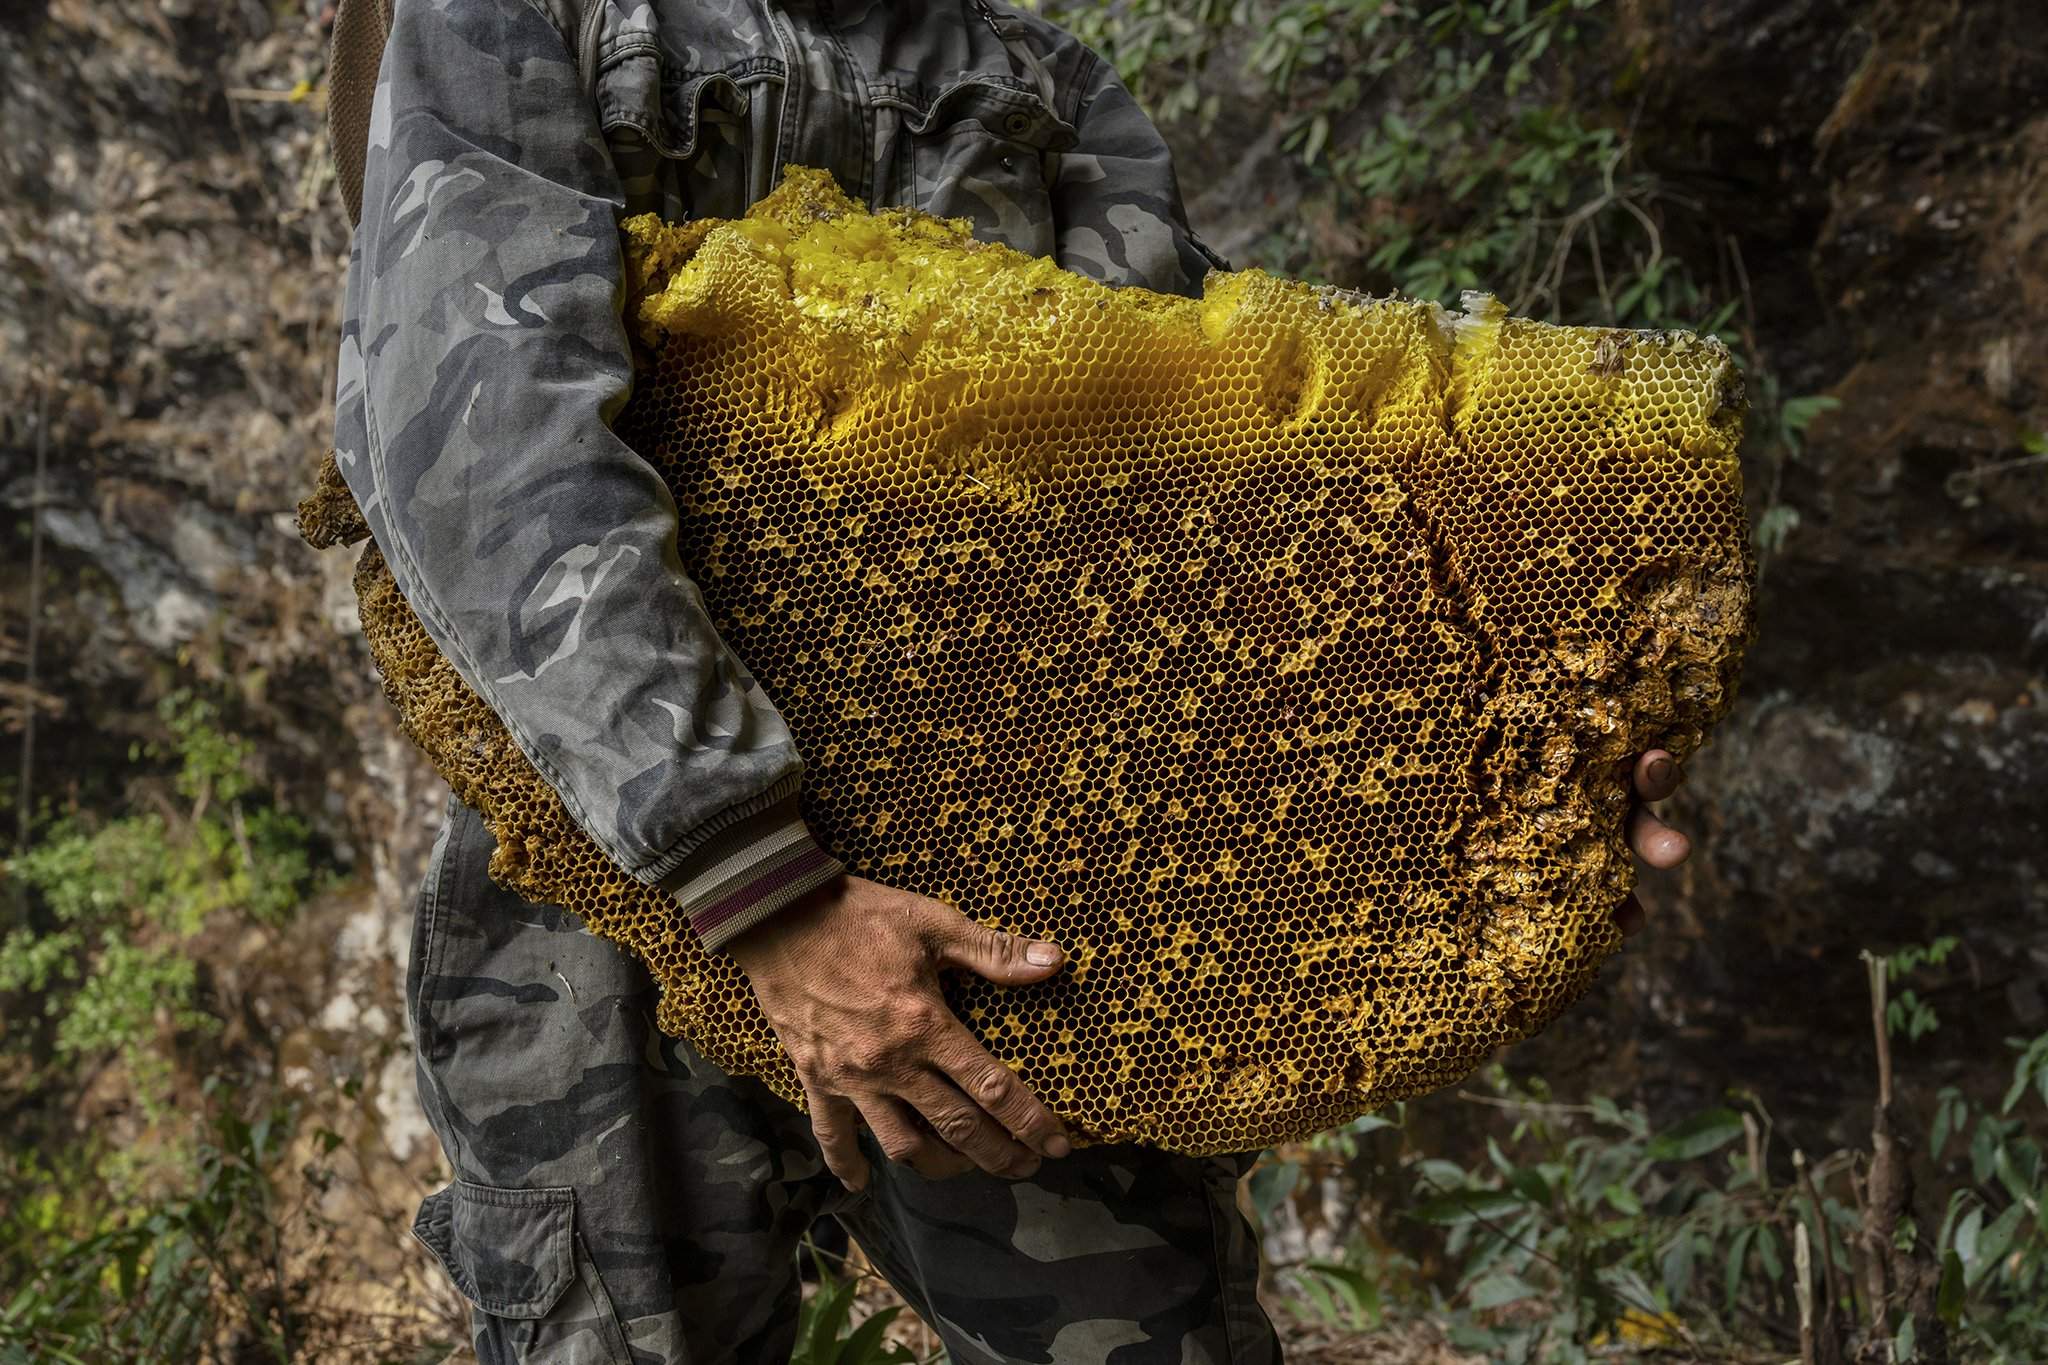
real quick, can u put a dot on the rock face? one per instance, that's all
(1882, 168)
(168, 304)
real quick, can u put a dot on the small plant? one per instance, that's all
(1606, 1223)
(1992, 1241)
(230, 1265)
(104, 949)
(1905, 1012)
(1588, 1230)
(1778, 426)
(1450, 135)
(826, 1333)
(144, 1283)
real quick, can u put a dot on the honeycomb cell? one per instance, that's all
(1276, 652)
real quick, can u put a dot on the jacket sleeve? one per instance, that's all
(483, 357)
(1116, 199)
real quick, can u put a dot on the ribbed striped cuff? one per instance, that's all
(748, 871)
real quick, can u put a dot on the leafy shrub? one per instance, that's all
(105, 954)
(206, 1274)
(1451, 133)
(1588, 1230)
(1992, 1241)
(827, 1333)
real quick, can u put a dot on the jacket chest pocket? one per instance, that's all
(985, 150)
(689, 146)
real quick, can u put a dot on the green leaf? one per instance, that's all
(1721, 318)
(823, 1315)
(1992, 1246)
(1966, 1235)
(1946, 1120)
(1984, 1145)
(1738, 1253)
(20, 1304)
(127, 1266)
(1697, 1136)
(1948, 1301)
(2019, 1184)
(1497, 1289)
(864, 1346)
(1319, 1298)
(2017, 1089)
(1318, 134)
(1606, 1111)
(1359, 1292)
(1794, 416)
(2031, 1066)
(1767, 1252)
(1530, 1184)
(1623, 1199)
(1676, 1266)
(1465, 1206)
(1776, 526)
(1271, 1183)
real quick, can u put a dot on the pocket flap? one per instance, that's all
(1001, 106)
(636, 90)
(510, 1252)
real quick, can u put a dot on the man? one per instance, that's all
(616, 1197)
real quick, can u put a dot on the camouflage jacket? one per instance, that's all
(483, 354)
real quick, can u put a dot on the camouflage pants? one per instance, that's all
(619, 1199)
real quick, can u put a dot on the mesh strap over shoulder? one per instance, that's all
(354, 52)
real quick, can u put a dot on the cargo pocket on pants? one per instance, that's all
(515, 1255)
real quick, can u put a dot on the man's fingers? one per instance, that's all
(1629, 916)
(966, 1128)
(997, 1090)
(1010, 959)
(907, 1142)
(1656, 775)
(835, 1123)
(1655, 842)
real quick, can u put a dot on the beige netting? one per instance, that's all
(355, 48)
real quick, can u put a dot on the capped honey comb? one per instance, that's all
(1278, 653)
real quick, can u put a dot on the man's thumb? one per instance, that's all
(1010, 959)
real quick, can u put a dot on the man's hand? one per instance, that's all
(849, 978)
(1655, 777)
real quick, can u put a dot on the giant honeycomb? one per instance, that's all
(1279, 653)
